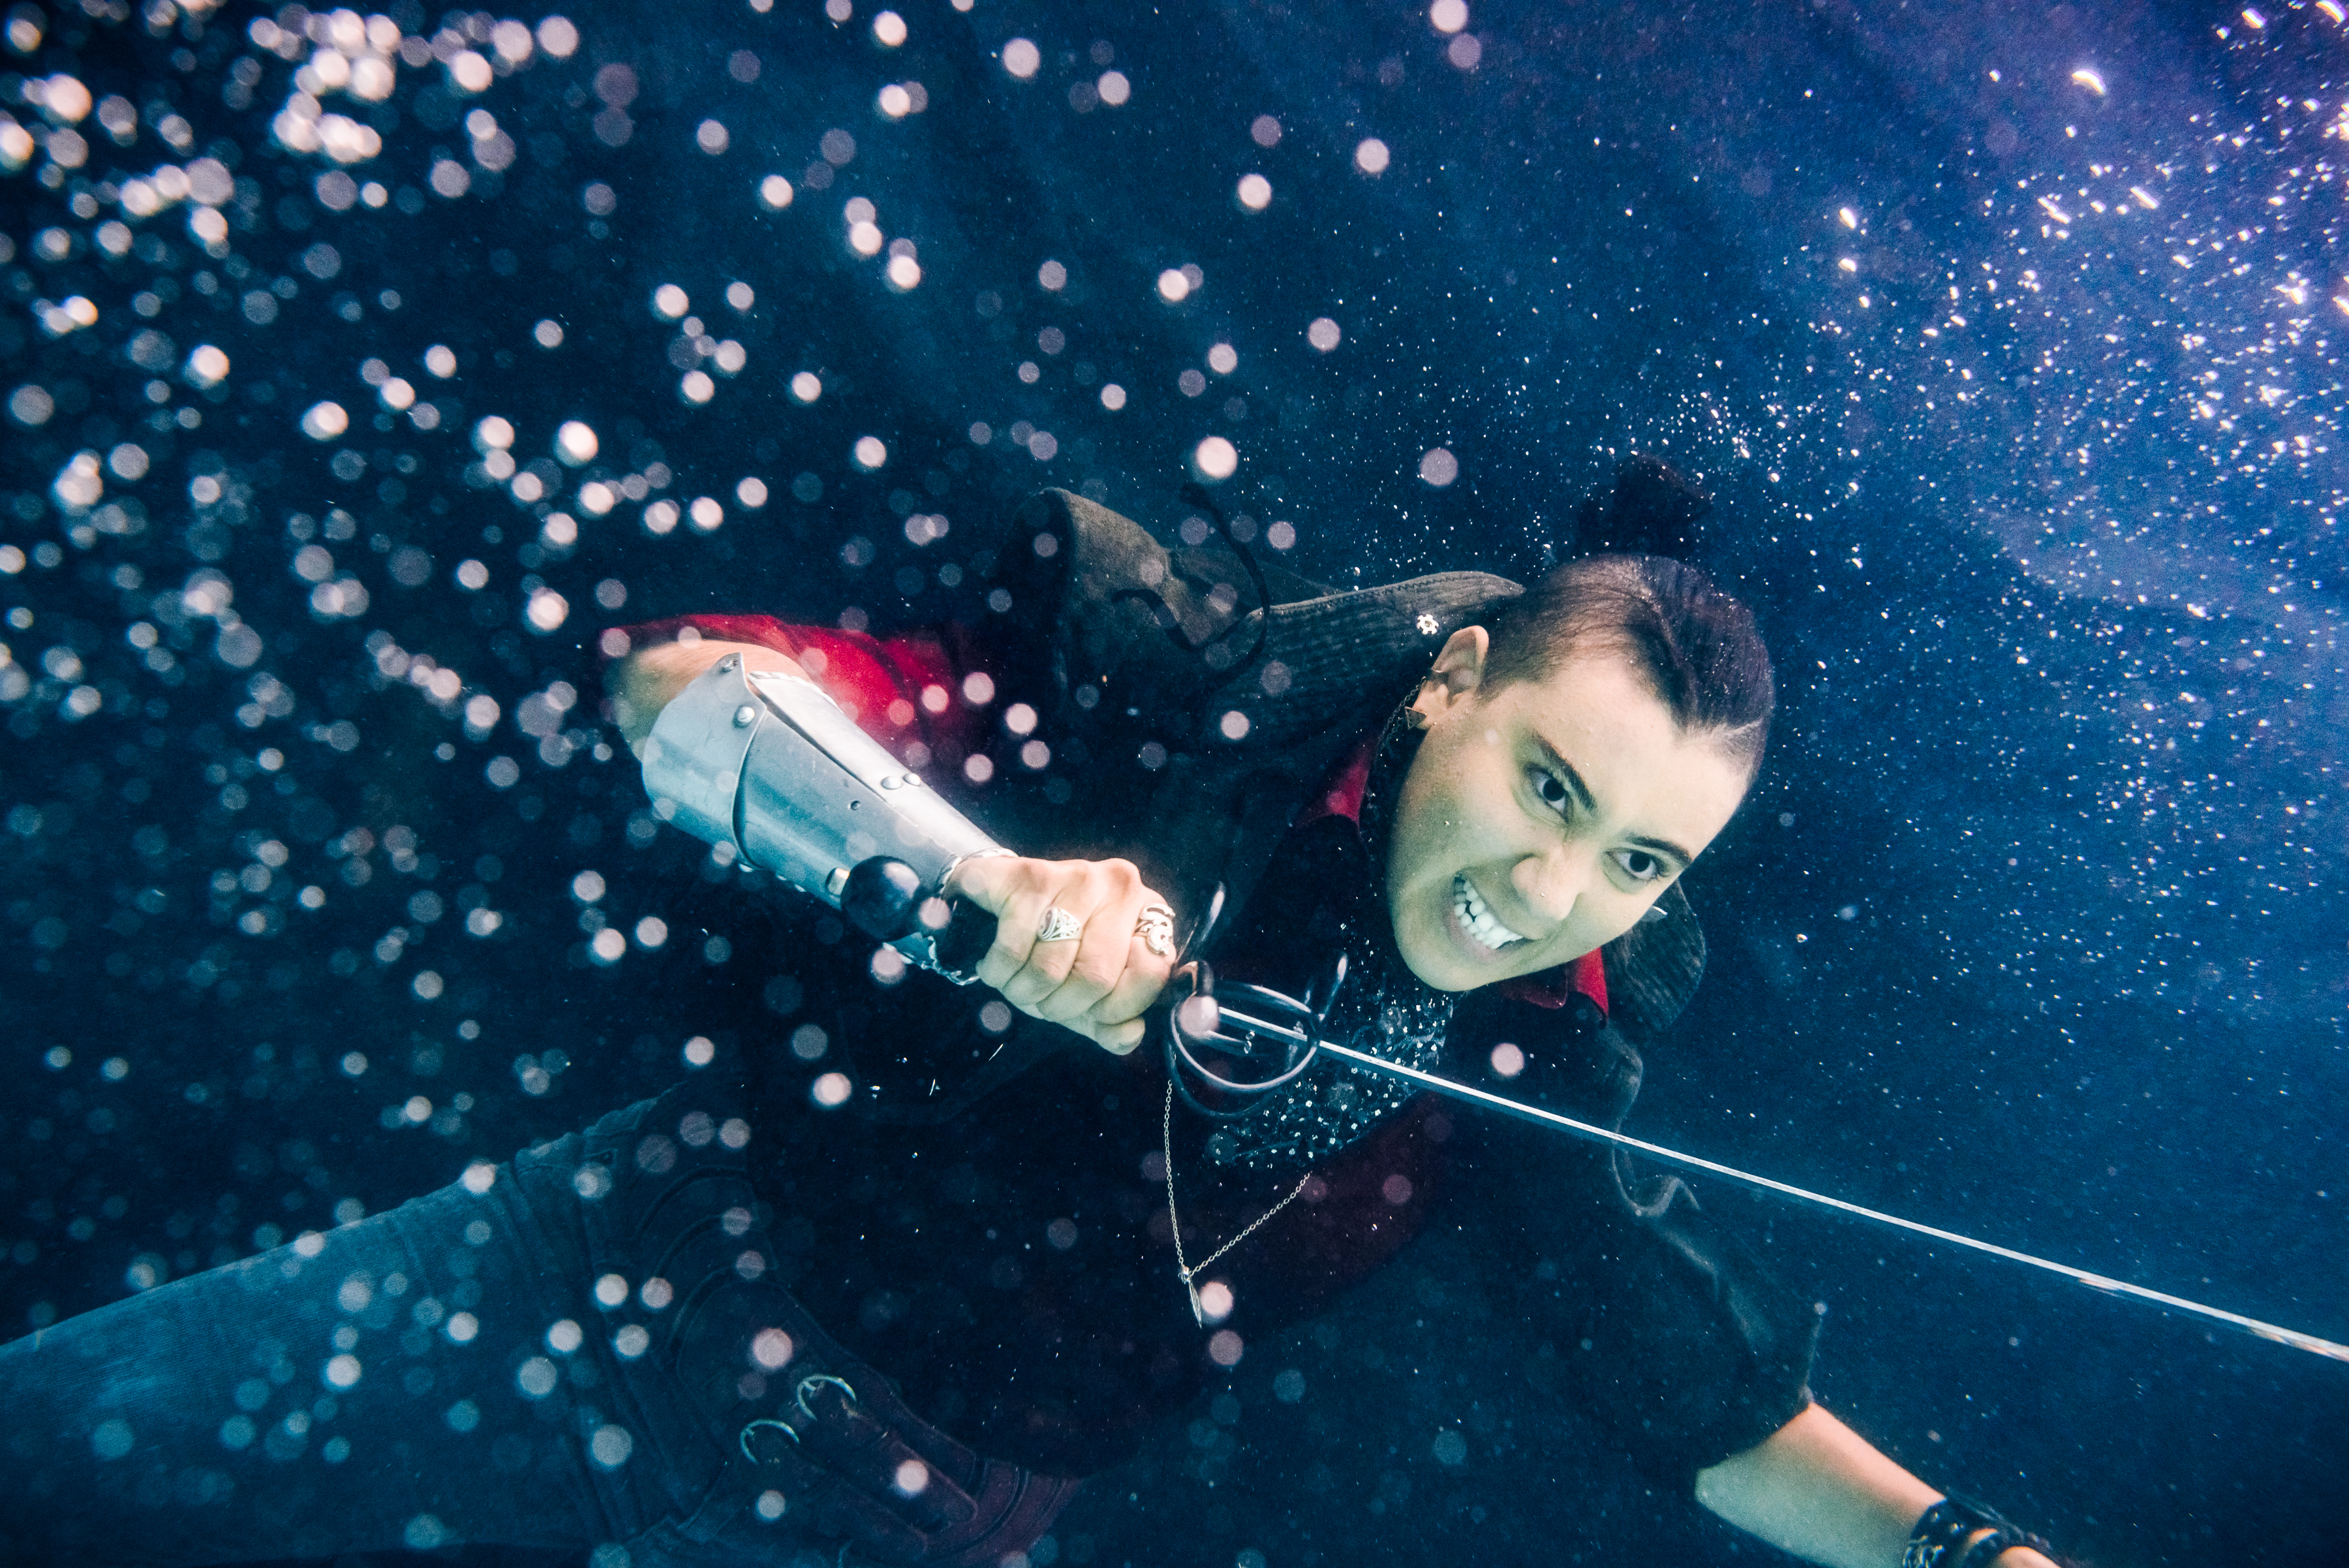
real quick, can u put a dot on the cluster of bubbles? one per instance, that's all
(1914, 349)
(246, 611)
(2157, 298)
(281, 611)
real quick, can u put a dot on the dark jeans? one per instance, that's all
(583, 1354)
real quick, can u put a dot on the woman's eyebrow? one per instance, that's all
(1565, 771)
(1667, 848)
(1558, 763)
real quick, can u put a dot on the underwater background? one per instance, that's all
(359, 371)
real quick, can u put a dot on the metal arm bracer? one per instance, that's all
(767, 762)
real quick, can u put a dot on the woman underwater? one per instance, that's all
(892, 1291)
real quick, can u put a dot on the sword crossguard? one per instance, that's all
(1233, 1020)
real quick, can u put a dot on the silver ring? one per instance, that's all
(742, 1438)
(1059, 926)
(1156, 927)
(816, 1380)
(947, 877)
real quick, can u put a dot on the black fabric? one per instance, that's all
(393, 1384)
(1323, 897)
(1676, 1336)
(1652, 969)
(1696, 1354)
(740, 1375)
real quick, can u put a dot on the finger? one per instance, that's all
(1016, 891)
(1120, 1039)
(1107, 950)
(1094, 969)
(1144, 980)
(1048, 964)
(1145, 971)
(992, 882)
(1015, 938)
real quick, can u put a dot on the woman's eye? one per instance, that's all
(1551, 790)
(1640, 866)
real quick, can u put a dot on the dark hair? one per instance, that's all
(1694, 645)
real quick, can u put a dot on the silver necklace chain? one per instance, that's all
(1188, 1272)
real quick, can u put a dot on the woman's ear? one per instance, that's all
(1458, 671)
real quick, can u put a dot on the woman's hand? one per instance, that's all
(1098, 981)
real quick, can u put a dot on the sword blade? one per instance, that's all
(1541, 1117)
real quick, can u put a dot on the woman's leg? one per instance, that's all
(383, 1385)
(594, 1348)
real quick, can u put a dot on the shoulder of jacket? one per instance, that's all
(1119, 606)
(1653, 968)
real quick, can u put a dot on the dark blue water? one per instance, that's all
(2007, 338)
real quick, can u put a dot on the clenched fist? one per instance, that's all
(1098, 980)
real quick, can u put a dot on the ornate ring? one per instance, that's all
(1059, 926)
(1156, 929)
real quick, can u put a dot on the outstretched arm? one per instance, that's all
(1820, 1490)
(1098, 981)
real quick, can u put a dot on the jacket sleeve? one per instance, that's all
(1671, 1332)
(1675, 1334)
(1079, 593)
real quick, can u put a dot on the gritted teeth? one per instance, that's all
(1480, 921)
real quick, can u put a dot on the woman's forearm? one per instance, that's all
(1820, 1490)
(642, 684)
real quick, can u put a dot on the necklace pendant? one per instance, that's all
(1198, 1311)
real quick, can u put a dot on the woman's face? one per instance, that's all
(1541, 819)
